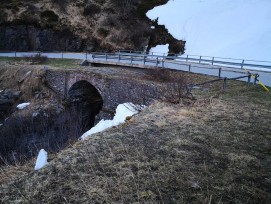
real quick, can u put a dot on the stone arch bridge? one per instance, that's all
(104, 88)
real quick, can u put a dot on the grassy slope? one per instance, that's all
(214, 151)
(57, 63)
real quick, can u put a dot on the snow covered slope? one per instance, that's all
(222, 28)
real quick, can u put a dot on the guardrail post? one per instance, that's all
(131, 59)
(62, 55)
(248, 79)
(224, 84)
(242, 64)
(189, 69)
(186, 57)
(119, 57)
(219, 72)
(105, 56)
(157, 61)
(256, 79)
(199, 59)
(86, 55)
(15, 54)
(213, 60)
(163, 62)
(144, 59)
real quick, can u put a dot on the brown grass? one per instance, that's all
(216, 151)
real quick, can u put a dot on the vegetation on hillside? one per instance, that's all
(99, 24)
(215, 149)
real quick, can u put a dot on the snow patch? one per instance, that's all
(22, 105)
(159, 49)
(122, 112)
(237, 29)
(41, 160)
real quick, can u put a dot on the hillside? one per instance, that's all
(81, 25)
(169, 154)
(214, 150)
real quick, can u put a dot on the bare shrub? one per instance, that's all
(176, 91)
(159, 74)
(174, 86)
(22, 137)
(36, 59)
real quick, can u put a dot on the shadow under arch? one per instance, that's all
(86, 101)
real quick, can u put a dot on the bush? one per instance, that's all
(159, 74)
(91, 10)
(49, 16)
(22, 137)
(174, 87)
(36, 59)
(103, 32)
(61, 3)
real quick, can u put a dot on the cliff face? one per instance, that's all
(81, 25)
(29, 37)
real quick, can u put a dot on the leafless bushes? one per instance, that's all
(174, 86)
(170, 86)
(22, 137)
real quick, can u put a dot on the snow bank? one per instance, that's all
(122, 111)
(159, 49)
(41, 160)
(22, 105)
(236, 29)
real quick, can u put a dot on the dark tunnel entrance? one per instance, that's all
(86, 101)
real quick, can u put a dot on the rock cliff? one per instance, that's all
(92, 25)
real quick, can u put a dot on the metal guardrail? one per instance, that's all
(204, 59)
(162, 59)
(158, 60)
(196, 64)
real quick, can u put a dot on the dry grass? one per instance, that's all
(216, 151)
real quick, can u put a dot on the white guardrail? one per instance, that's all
(215, 66)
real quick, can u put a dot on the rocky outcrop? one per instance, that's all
(29, 37)
(92, 25)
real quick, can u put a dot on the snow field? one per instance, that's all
(220, 28)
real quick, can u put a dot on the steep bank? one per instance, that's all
(208, 153)
(81, 25)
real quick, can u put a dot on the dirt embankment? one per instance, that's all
(81, 25)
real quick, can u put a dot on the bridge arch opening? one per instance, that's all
(86, 101)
